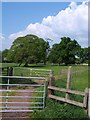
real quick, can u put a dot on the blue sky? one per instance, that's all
(41, 0)
(17, 16)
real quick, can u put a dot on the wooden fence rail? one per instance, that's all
(68, 91)
(66, 100)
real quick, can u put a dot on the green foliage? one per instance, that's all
(84, 55)
(28, 49)
(60, 110)
(65, 51)
(4, 55)
(32, 49)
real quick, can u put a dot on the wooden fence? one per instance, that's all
(68, 91)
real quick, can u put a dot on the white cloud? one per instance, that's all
(2, 37)
(73, 5)
(72, 22)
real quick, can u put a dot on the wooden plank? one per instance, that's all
(69, 77)
(66, 90)
(85, 100)
(66, 100)
(89, 104)
(51, 83)
(56, 88)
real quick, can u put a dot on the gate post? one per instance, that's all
(10, 71)
(7, 71)
(51, 83)
(69, 77)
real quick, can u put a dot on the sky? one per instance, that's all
(45, 19)
(41, 0)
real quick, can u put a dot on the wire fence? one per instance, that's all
(23, 71)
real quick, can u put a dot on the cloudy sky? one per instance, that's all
(41, 0)
(47, 20)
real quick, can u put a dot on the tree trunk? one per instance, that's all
(66, 64)
(20, 64)
(26, 64)
(44, 62)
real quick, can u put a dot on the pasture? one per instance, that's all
(53, 108)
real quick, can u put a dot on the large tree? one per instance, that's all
(84, 55)
(28, 49)
(4, 55)
(65, 51)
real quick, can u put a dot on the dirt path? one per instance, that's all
(15, 116)
(18, 115)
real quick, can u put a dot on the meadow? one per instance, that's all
(56, 109)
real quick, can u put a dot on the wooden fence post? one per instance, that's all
(89, 103)
(69, 77)
(51, 83)
(7, 71)
(10, 71)
(85, 100)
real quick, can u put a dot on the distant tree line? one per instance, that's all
(32, 49)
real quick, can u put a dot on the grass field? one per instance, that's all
(55, 109)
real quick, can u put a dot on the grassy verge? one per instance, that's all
(55, 109)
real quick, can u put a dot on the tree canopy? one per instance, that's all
(32, 49)
(4, 55)
(84, 55)
(28, 49)
(65, 51)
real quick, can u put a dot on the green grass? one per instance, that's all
(56, 109)
(38, 99)
(2, 65)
